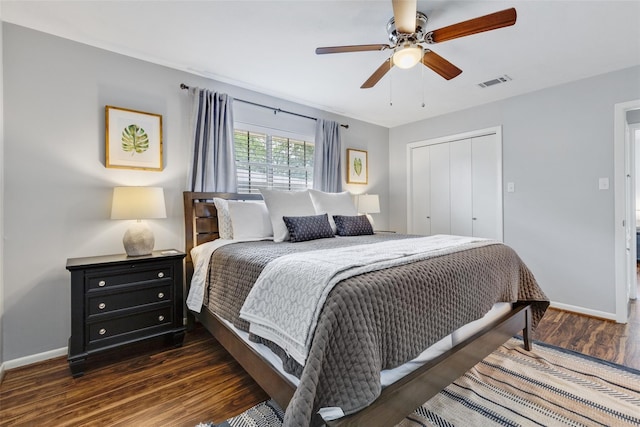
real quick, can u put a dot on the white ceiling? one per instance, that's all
(269, 46)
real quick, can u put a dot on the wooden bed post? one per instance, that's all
(527, 333)
(189, 238)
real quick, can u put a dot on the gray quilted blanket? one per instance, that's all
(285, 302)
(376, 320)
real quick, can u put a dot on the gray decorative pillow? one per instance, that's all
(352, 225)
(303, 228)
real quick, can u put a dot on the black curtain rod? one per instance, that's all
(275, 110)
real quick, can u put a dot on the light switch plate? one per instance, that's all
(511, 187)
(603, 183)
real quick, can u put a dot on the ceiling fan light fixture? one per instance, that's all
(407, 56)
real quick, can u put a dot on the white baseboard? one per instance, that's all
(1, 372)
(34, 358)
(585, 311)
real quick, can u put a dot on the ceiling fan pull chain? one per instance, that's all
(391, 89)
(422, 78)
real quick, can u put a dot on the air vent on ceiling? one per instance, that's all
(496, 81)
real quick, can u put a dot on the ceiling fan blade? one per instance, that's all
(440, 65)
(354, 48)
(378, 74)
(404, 15)
(480, 24)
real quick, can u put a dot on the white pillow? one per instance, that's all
(225, 227)
(333, 204)
(286, 203)
(250, 220)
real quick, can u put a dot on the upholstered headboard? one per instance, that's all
(201, 219)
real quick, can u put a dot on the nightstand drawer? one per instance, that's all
(134, 274)
(100, 303)
(122, 325)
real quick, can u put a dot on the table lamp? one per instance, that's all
(368, 204)
(138, 203)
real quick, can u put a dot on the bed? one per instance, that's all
(391, 403)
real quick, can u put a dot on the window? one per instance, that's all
(271, 161)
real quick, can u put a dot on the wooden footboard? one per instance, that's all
(397, 400)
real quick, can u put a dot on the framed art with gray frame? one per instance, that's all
(357, 167)
(133, 139)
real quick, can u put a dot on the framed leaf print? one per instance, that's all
(357, 167)
(133, 139)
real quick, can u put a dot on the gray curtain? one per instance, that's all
(327, 172)
(213, 163)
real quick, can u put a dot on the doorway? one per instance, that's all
(633, 121)
(625, 208)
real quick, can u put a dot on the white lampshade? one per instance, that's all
(138, 203)
(368, 203)
(407, 56)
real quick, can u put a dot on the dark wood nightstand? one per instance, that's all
(118, 300)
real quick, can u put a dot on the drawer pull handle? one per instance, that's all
(101, 283)
(102, 331)
(161, 274)
(160, 295)
(102, 305)
(160, 318)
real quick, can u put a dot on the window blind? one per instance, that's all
(271, 161)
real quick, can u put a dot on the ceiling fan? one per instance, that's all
(407, 34)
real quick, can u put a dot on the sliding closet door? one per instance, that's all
(487, 187)
(455, 185)
(460, 187)
(440, 194)
(419, 193)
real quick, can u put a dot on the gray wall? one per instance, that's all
(1, 196)
(57, 189)
(557, 143)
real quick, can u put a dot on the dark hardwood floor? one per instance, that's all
(150, 386)
(615, 342)
(153, 386)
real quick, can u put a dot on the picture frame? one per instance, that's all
(133, 139)
(357, 167)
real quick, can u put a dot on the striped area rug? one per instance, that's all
(512, 387)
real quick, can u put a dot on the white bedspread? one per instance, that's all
(284, 304)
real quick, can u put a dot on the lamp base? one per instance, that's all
(138, 240)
